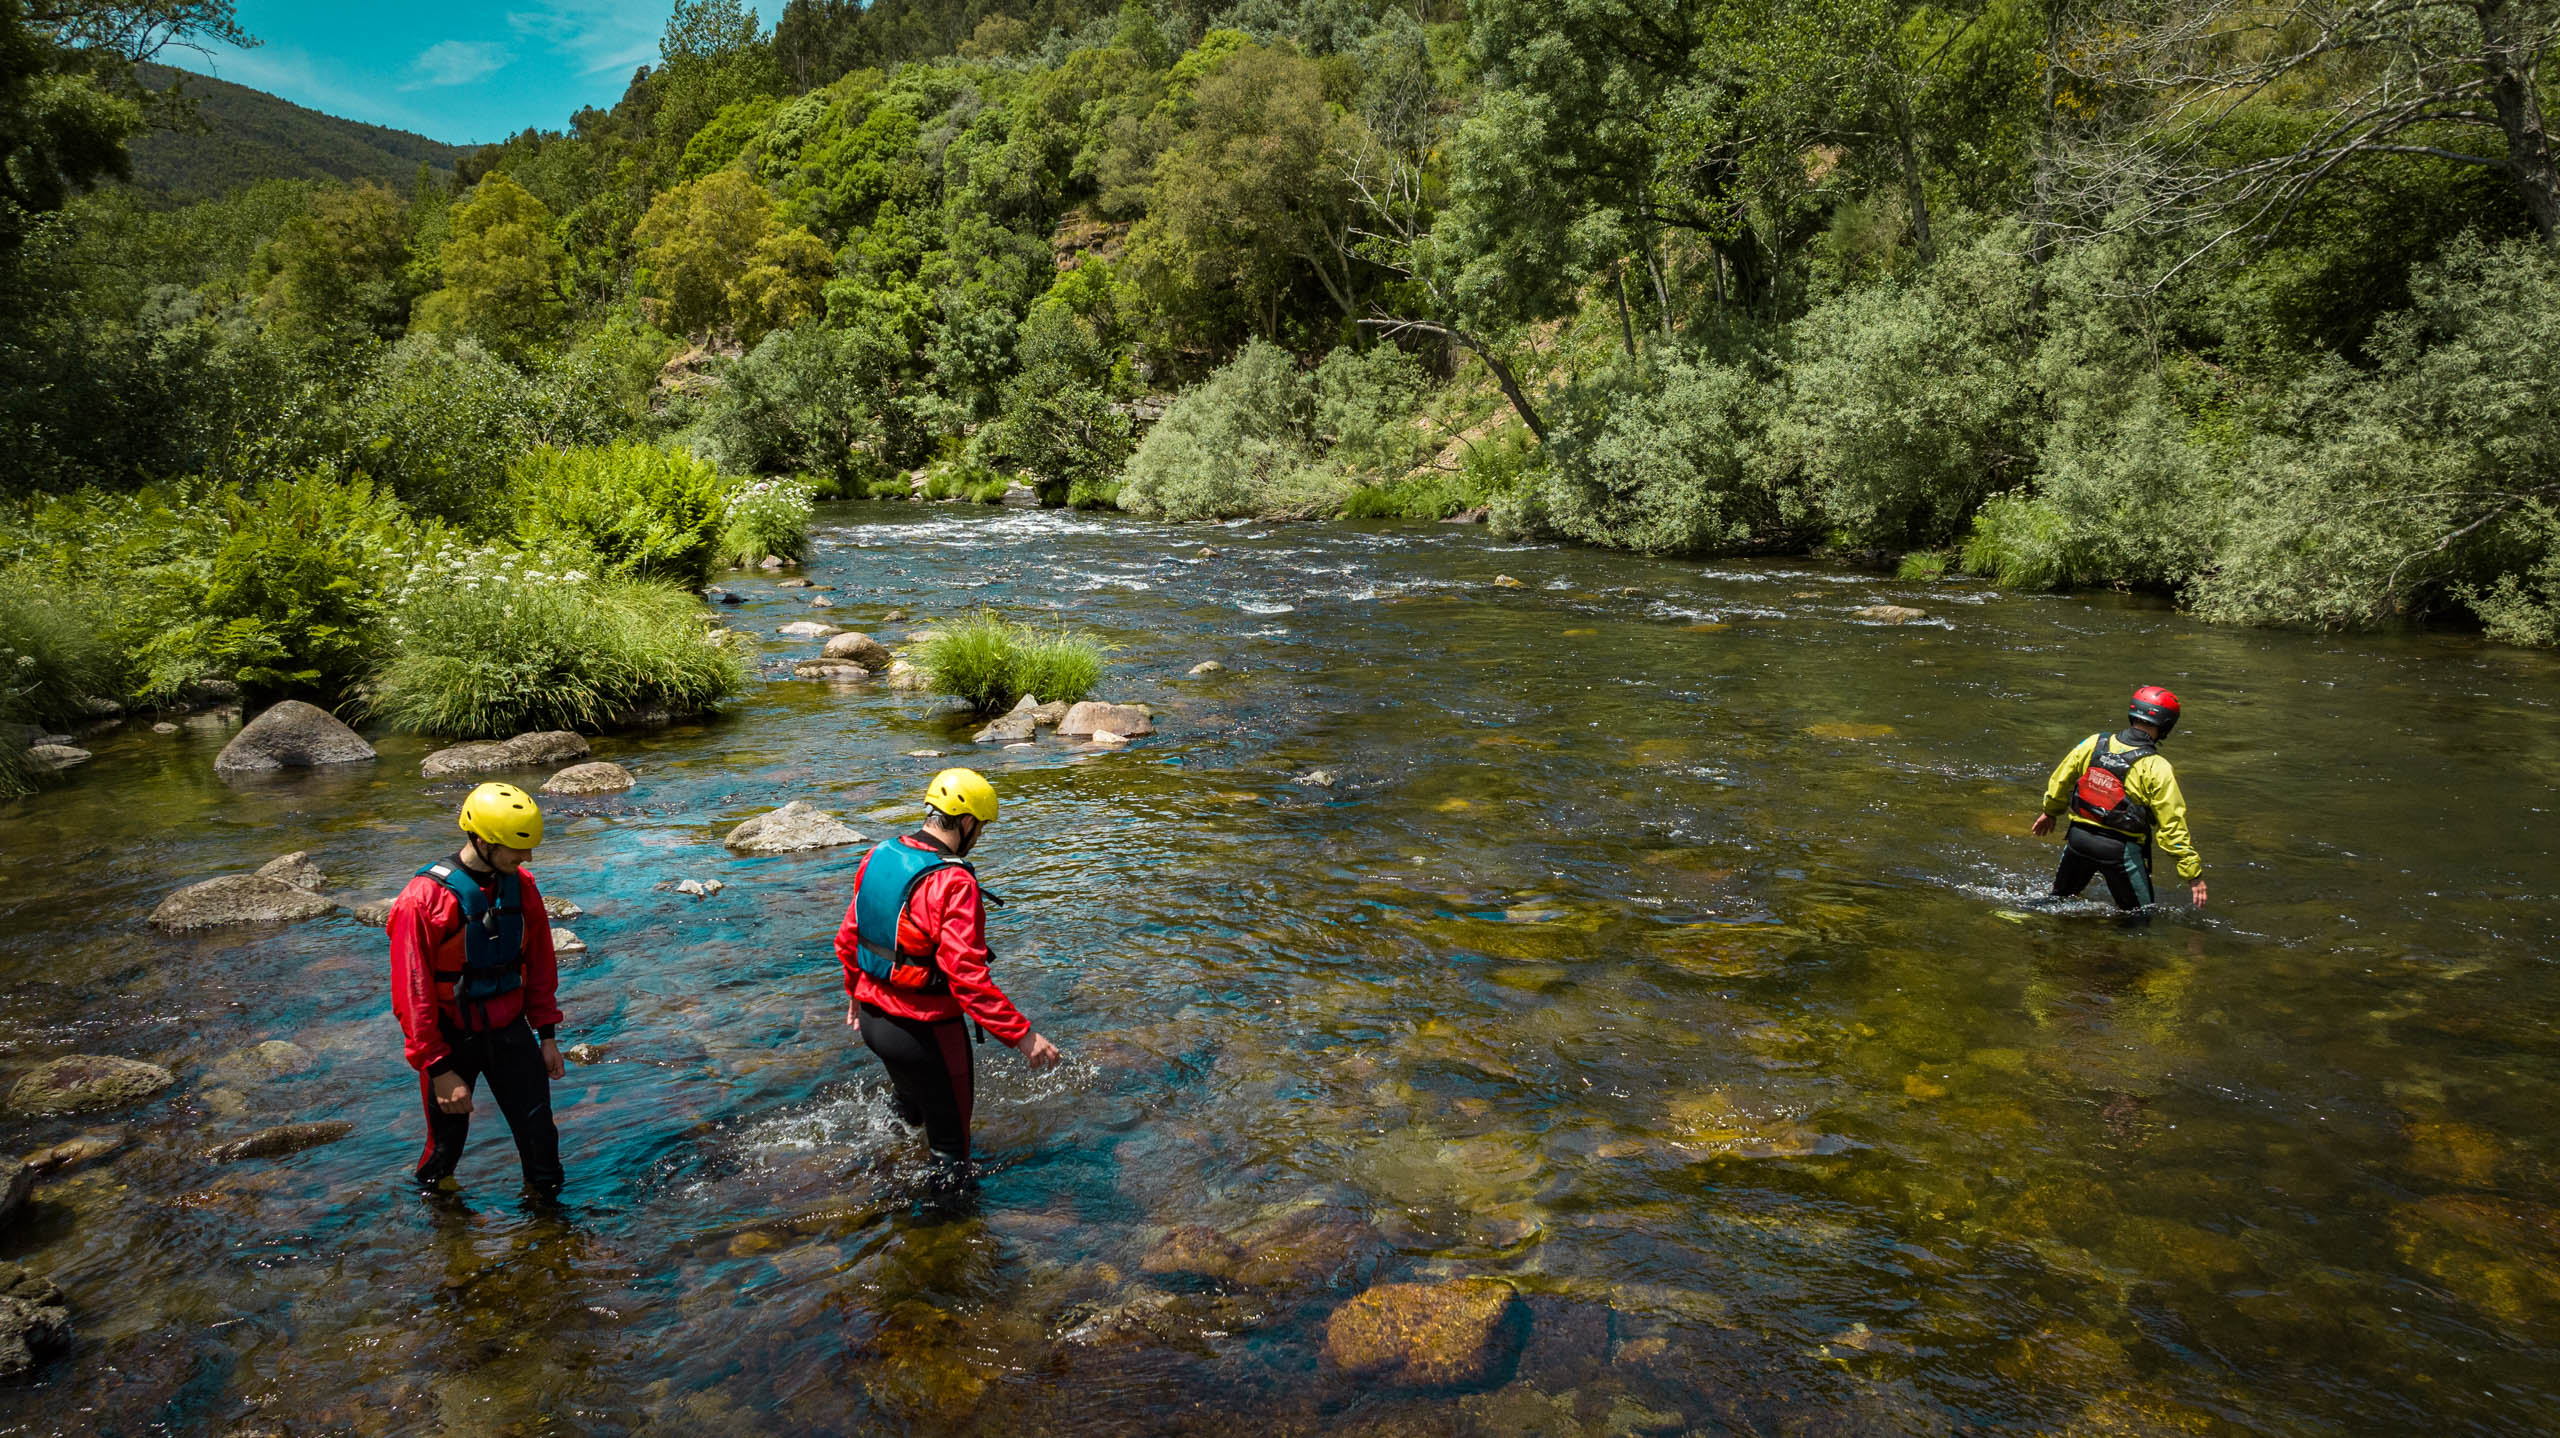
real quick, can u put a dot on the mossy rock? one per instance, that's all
(2499, 1255)
(83, 1083)
(1427, 1335)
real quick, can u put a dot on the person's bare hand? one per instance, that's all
(2042, 826)
(1040, 1053)
(552, 1063)
(2195, 891)
(452, 1094)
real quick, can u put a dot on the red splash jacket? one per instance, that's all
(944, 915)
(424, 919)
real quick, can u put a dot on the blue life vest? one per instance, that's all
(492, 957)
(889, 879)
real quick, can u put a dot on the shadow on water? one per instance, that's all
(1635, 937)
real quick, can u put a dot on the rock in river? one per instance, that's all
(17, 1180)
(34, 1323)
(1126, 720)
(862, 649)
(292, 735)
(807, 629)
(598, 777)
(1013, 728)
(837, 671)
(1427, 1335)
(286, 888)
(525, 751)
(795, 826)
(73, 1152)
(57, 756)
(281, 1140)
(1890, 613)
(78, 1083)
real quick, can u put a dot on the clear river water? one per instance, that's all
(1646, 950)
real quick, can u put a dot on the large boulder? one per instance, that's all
(292, 735)
(862, 649)
(1127, 720)
(1424, 1335)
(599, 777)
(794, 827)
(81, 1083)
(281, 1140)
(57, 756)
(35, 1324)
(525, 751)
(284, 889)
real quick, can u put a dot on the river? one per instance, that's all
(1646, 950)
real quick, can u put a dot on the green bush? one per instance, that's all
(1922, 564)
(1364, 410)
(989, 662)
(1092, 494)
(291, 599)
(1056, 423)
(490, 644)
(53, 654)
(1240, 443)
(964, 479)
(1666, 456)
(765, 517)
(639, 510)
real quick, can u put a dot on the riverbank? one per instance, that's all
(1637, 950)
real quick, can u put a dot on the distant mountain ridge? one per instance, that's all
(251, 135)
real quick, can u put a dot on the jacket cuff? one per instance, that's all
(549, 1032)
(440, 1067)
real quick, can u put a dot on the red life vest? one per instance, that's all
(2101, 798)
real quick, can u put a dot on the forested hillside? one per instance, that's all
(244, 136)
(2254, 305)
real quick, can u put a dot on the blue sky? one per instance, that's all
(464, 71)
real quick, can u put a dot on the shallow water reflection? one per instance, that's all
(1634, 936)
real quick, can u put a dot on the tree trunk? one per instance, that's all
(1912, 189)
(2511, 68)
(1501, 372)
(1626, 321)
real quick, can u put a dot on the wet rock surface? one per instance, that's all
(57, 756)
(283, 889)
(85, 1083)
(861, 649)
(1889, 613)
(35, 1322)
(74, 1152)
(598, 777)
(281, 1140)
(17, 1180)
(524, 751)
(839, 671)
(1082, 720)
(796, 826)
(292, 735)
(1426, 1335)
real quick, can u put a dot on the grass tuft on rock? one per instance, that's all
(989, 662)
(544, 652)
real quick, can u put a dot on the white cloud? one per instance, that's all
(597, 36)
(458, 62)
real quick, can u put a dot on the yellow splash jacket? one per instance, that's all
(2150, 781)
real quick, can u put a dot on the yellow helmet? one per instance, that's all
(502, 814)
(962, 791)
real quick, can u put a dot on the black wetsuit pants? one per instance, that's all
(2124, 863)
(933, 1076)
(511, 1060)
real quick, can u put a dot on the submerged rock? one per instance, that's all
(259, 1062)
(164, 727)
(525, 751)
(1195, 1249)
(599, 777)
(839, 671)
(796, 826)
(2500, 1255)
(1207, 666)
(81, 1083)
(862, 649)
(1889, 613)
(795, 584)
(73, 1152)
(1083, 719)
(57, 756)
(285, 888)
(1505, 581)
(1428, 1335)
(281, 1140)
(34, 1322)
(292, 735)
(807, 629)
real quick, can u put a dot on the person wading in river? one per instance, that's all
(475, 984)
(2122, 799)
(914, 950)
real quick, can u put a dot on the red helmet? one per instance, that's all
(2156, 707)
